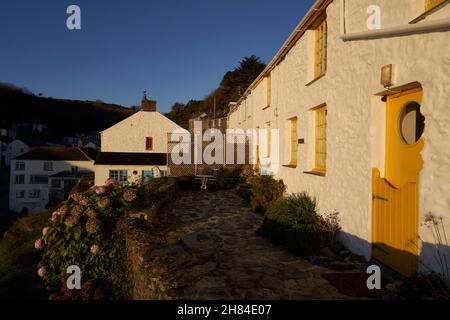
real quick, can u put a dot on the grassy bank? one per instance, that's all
(18, 258)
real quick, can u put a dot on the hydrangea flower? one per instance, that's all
(129, 195)
(38, 244)
(76, 196)
(59, 213)
(41, 272)
(90, 213)
(72, 220)
(95, 248)
(103, 202)
(93, 225)
(77, 210)
(111, 182)
(100, 190)
(84, 201)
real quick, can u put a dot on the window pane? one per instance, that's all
(320, 143)
(56, 183)
(48, 166)
(38, 179)
(20, 166)
(120, 176)
(33, 194)
(19, 179)
(149, 143)
(294, 141)
(320, 54)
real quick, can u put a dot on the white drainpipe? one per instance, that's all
(436, 25)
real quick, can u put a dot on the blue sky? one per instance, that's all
(177, 50)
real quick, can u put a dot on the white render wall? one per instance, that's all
(36, 167)
(102, 172)
(355, 131)
(130, 134)
(15, 149)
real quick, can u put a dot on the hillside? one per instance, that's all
(62, 116)
(233, 85)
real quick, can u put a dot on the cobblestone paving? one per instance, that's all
(211, 251)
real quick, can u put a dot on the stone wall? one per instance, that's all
(141, 235)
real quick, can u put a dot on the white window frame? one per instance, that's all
(34, 194)
(48, 166)
(19, 175)
(21, 167)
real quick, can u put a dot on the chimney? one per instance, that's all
(148, 105)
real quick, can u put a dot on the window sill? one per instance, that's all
(315, 79)
(293, 166)
(315, 173)
(428, 12)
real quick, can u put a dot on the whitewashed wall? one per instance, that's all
(15, 149)
(355, 131)
(36, 167)
(102, 172)
(129, 135)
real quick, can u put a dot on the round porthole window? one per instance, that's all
(412, 123)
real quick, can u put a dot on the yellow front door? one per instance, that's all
(395, 224)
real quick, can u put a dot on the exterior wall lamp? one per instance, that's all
(387, 75)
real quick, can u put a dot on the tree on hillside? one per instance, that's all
(234, 83)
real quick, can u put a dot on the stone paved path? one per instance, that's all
(211, 251)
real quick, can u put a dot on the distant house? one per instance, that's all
(209, 121)
(75, 139)
(16, 148)
(4, 145)
(135, 149)
(92, 146)
(27, 128)
(8, 131)
(46, 172)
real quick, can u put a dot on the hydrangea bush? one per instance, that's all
(82, 232)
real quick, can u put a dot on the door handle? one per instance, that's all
(377, 197)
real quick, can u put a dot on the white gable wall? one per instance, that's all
(130, 134)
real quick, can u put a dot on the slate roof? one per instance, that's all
(132, 158)
(70, 174)
(59, 153)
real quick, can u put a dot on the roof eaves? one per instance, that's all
(314, 12)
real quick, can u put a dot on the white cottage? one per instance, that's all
(44, 172)
(135, 149)
(4, 148)
(377, 152)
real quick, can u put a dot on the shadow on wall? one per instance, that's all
(432, 258)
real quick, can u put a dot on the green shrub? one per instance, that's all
(265, 190)
(293, 223)
(245, 191)
(229, 179)
(82, 232)
(18, 257)
(424, 286)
